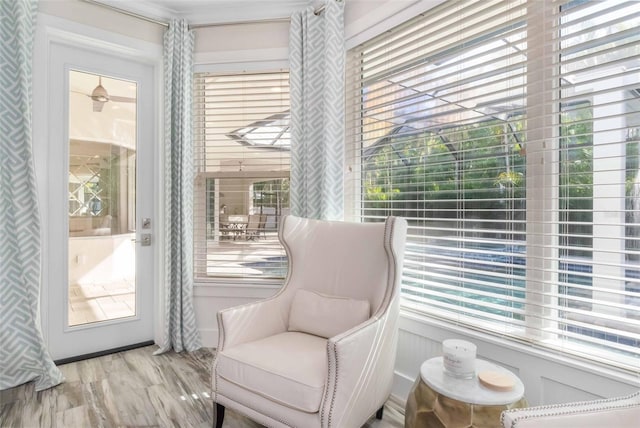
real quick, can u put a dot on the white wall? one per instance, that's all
(102, 18)
(99, 259)
(243, 47)
(548, 378)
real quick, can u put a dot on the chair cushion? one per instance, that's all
(325, 316)
(289, 368)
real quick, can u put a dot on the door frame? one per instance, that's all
(52, 30)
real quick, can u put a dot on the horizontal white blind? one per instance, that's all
(597, 290)
(506, 133)
(242, 159)
(439, 128)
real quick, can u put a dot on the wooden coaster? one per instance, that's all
(496, 381)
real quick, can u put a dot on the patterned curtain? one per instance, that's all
(316, 56)
(23, 356)
(181, 332)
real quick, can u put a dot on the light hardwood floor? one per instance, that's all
(132, 389)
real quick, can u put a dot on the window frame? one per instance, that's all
(257, 66)
(542, 199)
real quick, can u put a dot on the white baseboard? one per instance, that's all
(401, 388)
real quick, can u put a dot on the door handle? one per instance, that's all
(145, 239)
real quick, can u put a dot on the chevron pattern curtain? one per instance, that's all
(181, 332)
(23, 356)
(316, 56)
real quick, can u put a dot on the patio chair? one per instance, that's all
(253, 224)
(321, 352)
(224, 225)
(262, 225)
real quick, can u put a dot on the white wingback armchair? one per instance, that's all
(321, 352)
(618, 412)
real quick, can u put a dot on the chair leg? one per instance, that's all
(219, 415)
(379, 413)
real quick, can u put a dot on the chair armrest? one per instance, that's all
(252, 321)
(361, 364)
(610, 412)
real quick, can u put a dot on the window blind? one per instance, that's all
(507, 134)
(242, 160)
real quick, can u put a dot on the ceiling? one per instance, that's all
(212, 11)
(115, 124)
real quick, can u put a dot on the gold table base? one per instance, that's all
(427, 408)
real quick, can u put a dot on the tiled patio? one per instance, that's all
(101, 301)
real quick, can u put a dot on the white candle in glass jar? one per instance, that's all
(459, 358)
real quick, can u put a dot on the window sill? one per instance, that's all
(423, 325)
(243, 290)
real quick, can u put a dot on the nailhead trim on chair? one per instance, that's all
(327, 383)
(221, 337)
(289, 254)
(335, 385)
(569, 408)
(388, 230)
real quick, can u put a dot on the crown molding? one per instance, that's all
(211, 11)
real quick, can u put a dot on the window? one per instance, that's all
(102, 157)
(507, 134)
(241, 187)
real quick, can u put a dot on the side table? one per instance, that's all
(438, 400)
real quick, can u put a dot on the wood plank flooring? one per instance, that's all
(132, 389)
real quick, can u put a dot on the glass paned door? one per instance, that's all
(102, 195)
(99, 222)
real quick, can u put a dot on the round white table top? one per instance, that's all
(470, 390)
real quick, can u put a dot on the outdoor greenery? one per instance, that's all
(470, 181)
(479, 171)
(432, 175)
(272, 194)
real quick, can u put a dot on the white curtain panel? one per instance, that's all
(181, 332)
(316, 46)
(23, 356)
